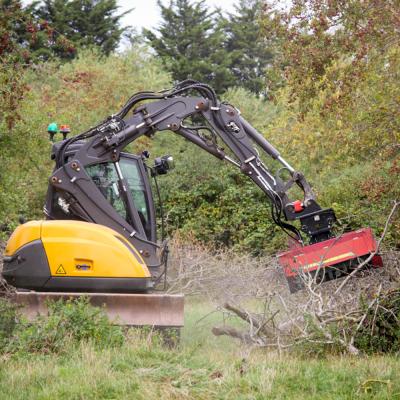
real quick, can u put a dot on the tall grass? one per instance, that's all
(201, 368)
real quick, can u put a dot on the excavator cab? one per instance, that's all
(137, 200)
(68, 253)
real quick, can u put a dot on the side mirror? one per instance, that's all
(163, 164)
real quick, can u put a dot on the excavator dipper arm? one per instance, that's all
(171, 111)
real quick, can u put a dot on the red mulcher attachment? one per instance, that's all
(330, 259)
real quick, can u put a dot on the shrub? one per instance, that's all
(67, 323)
(8, 321)
(380, 331)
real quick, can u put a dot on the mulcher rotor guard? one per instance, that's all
(329, 259)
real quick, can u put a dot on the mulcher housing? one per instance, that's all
(330, 259)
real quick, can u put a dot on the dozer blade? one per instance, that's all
(331, 259)
(157, 310)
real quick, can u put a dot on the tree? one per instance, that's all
(190, 44)
(250, 52)
(12, 57)
(316, 36)
(85, 23)
(21, 35)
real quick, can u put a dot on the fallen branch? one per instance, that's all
(243, 315)
(244, 337)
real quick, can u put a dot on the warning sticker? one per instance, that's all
(61, 270)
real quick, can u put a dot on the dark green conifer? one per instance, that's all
(85, 23)
(190, 43)
(249, 50)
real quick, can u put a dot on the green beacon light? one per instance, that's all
(52, 129)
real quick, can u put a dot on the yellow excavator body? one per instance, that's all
(73, 255)
(24, 234)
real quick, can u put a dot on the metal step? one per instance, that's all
(157, 310)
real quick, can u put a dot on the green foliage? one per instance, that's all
(209, 47)
(337, 116)
(8, 321)
(18, 37)
(67, 324)
(26, 37)
(314, 35)
(349, 151)
(85, 23)
(223, 208)
(194, 43)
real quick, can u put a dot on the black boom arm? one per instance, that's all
(211, 122)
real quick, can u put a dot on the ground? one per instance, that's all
(203, 367)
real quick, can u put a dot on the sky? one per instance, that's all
(146, 13)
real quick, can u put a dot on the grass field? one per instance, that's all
(203, 367)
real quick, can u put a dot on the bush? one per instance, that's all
(380, 331)
(8, 321)
(67, 323)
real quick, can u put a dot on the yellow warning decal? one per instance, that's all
(61, 270)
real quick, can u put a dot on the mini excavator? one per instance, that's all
(100, 229)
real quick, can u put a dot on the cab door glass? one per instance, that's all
(130, 171)
(106, 179)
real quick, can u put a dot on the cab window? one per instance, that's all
(130, 171)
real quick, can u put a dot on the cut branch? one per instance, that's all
(244, 337)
